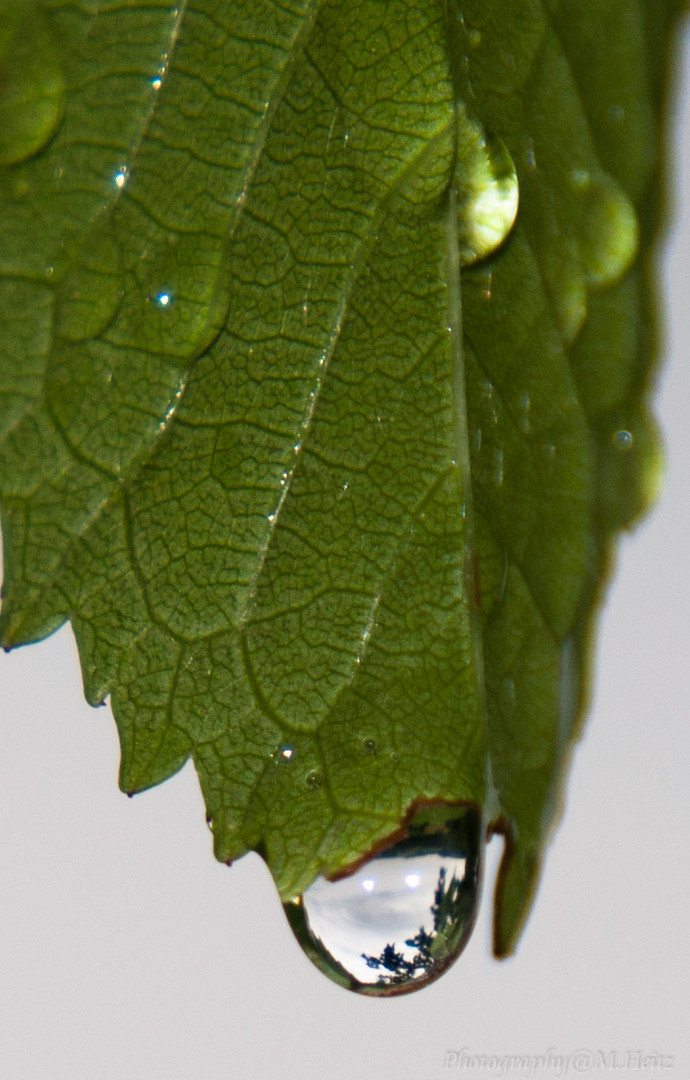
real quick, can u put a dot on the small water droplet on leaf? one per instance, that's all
(615, 114)
(623, 439)
(32, 89)
(524, 415)
(499, 474)
(285, 752)
(580, 179)
(91, 292)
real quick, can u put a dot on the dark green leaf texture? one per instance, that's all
(297, 477)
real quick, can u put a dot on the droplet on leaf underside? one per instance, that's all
(405, 915)
(90, 294)
(285, 752)
(32, 88)
(623, 439)
(488, 192)
(314, 780)
(610, 231)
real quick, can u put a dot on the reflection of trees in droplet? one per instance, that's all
(450, 910)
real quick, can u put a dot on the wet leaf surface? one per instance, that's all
(319, 447)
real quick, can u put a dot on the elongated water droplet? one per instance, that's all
(499, 474)
(488, 192)
(121, 177)
(610, 231)
(524, 421)
(404, 916)
(32, 89)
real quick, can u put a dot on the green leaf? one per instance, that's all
(325, 483)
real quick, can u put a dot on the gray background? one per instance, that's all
(127, 951)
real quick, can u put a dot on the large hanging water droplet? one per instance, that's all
(487, 191)
(32, 88)
(404, 916)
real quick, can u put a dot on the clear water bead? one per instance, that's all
(405, 915)
(285, 752)
(623, 439)
(487, 190)
(610, 231)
